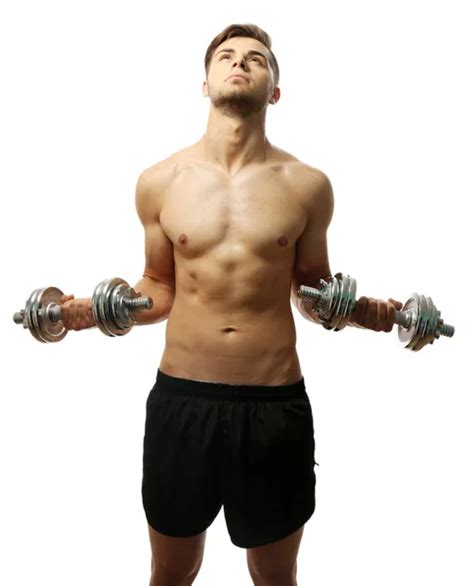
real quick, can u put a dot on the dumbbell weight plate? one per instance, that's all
(100, 307)
(431, 323)
(110, 314)
(36, 315)
(334, 301)
(423, 331)
(347, 300)
(120, 313)
(406, 336)
(107, 307)
(328, 305)
(417, 335)
(339, 302)
(421, 323)
(96, 310)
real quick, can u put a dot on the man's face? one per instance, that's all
(240, 96)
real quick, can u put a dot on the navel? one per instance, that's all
(183, 238)
(229, 329)
(283, 240)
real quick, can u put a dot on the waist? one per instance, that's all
(243, 332)
(248, 349)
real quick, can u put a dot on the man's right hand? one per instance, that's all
(76, 314)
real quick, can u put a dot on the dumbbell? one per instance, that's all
(113, 304)
(419, 322)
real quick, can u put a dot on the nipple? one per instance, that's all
(283, 241)
(183, 239)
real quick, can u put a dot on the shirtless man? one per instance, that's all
(233, 225)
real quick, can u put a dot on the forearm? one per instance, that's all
(163, 297)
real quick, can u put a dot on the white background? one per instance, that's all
(376, 94)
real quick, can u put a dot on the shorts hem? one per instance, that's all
(276, 536)
(171, 533)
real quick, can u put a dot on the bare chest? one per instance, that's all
(259, 213)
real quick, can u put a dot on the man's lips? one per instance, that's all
(237, 75)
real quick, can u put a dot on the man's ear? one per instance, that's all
(276, 96)
(204, 88)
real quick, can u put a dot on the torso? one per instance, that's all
(234, 248)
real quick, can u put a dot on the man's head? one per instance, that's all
(241, 49)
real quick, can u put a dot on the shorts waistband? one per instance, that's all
(213, 389)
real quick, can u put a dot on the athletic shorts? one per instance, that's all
(249, 448)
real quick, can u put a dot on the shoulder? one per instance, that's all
(307, 176)
(151, 186)
(154, 181)
(157, 174)
(311, 185)
(302, 174)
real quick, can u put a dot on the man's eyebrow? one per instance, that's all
(250, 52)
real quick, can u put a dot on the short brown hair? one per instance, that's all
(243, 30)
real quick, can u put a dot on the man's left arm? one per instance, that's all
(312, 264)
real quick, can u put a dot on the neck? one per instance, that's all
(234, 142)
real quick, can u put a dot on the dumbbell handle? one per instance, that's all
(404, 318)
(53, 310)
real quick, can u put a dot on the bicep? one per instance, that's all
(311, 252)
(159, 257)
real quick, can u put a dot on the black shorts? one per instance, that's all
(247, 447)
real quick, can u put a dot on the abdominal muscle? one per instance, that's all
(253, 349)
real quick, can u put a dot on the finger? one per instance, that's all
(90, 316)
(371, 314)
(380, 314)
(359, 312)
(398, 304)
(384, 313)
(390, 316)
(66, 298)
(85, 317)
(74, 318)
(361, 306)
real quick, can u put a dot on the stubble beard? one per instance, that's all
(237, 104)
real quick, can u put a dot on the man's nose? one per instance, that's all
(240, 62)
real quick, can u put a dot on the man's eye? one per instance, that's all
(252, 58)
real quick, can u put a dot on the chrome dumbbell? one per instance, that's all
(419, 322)
(114, 303)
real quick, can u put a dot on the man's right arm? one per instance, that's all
(158, 280)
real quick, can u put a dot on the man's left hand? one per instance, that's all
(375, 314)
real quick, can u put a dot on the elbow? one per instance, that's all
(163, 300)
(164, 307)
